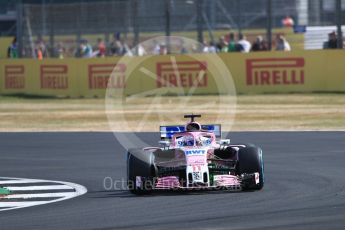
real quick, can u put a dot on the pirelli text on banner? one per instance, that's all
(54, 76)
(182, 74)
(275, 71)
(99, 76)
(14, 77)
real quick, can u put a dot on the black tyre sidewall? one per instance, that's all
(251, 161)
(139, 163)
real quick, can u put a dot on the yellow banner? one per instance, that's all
(264, 72)
(50, 77)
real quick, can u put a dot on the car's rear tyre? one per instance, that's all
(140, 171)
(250, 161)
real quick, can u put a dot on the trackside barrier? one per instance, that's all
(265, 72)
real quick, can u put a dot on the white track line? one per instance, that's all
(19, 181)
(45, 187)
(13, 205)
(79, 190)
(39, 195)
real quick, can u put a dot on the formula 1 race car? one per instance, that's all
(194, 157)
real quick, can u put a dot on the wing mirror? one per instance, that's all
(224, 141)
(164, 143)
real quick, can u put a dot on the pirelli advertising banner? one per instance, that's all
(48, 77)
(264, 72)
(14, 78)
(94, 74)
(278, 72)
(172, 75)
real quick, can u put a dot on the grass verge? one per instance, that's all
(254, 112)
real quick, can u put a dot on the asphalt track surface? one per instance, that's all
(304, 172)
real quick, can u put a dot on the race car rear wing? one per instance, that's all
(167, 132)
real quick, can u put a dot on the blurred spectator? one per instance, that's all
(196, 49)
(183, 48)
(60, 51)
(282, 44)
(332, 42)
(232, 43)
(128, 49)
(156, 47)
(39, 52)
(141, 50)
(163, 49)
(259, 44)
(116, 46)
(288, 21)
(244, 43)
(209, 47)
(212, 47)
(78, 51)
(41, 45)
(222, 45)
(12, 50)
(100, 48)
(85, 49)
(205, 47)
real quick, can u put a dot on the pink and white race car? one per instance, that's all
(194, 157)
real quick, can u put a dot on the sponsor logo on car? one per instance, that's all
(182, 74)
(54, 76)
(99, 76)
(196, 175)
(14, 77)
(275, 71)
(197, 161)
(195, 152)
(196, 168)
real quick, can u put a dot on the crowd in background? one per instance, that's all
(81, 49)
(229, 43)
(332, 42)
(119, 47)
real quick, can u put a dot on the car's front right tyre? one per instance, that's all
(140, 175)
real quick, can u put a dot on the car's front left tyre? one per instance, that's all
(250, 161)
